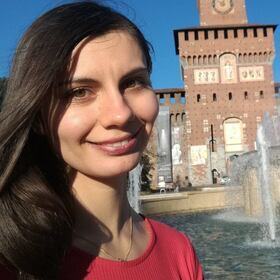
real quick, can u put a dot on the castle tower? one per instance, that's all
(226, 64)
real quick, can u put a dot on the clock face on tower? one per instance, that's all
(222, 6)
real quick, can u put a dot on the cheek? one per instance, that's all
(73, 126)
(146, 108)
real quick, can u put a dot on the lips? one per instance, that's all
(118, 146)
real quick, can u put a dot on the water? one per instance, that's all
(134, 187)
(229, 249)
(258, 173)
(265, 183)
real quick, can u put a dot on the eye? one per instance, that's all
(80, 94)
(135, 82)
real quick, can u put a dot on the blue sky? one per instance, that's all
(156, 18)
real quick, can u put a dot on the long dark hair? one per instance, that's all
(36, 213)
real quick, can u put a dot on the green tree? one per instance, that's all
(147, 167)
(3, 87)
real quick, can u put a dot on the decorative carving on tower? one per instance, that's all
(222, 12)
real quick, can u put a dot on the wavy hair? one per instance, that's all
(36, 203)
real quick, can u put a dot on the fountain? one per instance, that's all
(265, 183)
(259, 174)
(134, 187)
(163, 144)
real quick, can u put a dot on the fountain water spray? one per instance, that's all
(134, 187)
(258, 172)
(263, 144)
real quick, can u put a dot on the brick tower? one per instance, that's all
(227, 69)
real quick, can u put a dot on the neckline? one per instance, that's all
(97, 260)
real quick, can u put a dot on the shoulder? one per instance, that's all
(177, 246)
(168, 233)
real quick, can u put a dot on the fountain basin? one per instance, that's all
(205, 199)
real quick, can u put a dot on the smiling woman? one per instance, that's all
(77, 116)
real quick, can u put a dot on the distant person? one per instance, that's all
(76, 118)
(188, 183)
(177, 184)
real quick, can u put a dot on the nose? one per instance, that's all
(114, 110)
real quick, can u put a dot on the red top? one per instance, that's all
(169, 255)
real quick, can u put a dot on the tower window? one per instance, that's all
(245, 95)
(161, 98)
(230, 96)
(198, 98)
(172, 98)
(183, 98)
(255, 32)
(206, 34)
(215, 34)
(225, 33)
(261, 94)
(214, 97)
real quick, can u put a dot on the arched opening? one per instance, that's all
(198, 98)
(210, 60)
(230, 96)
(205, 60)
(250, 57)
(178, 117)
(183, 117)
(240, 58)
(256, 57)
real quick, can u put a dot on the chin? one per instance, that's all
(117, 168)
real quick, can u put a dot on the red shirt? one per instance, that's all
(169, 255)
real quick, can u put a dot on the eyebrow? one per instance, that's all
(84, 80)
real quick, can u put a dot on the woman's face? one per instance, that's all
(110, 109)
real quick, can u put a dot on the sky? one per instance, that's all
(156, 18)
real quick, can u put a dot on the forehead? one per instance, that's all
(117, 49)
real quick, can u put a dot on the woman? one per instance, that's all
(76, 118)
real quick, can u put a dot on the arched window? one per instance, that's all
(230, 96)
(198, 98)
(261, 94)
(245, 95)
(172, 119)
(214, 97)
(183, 117)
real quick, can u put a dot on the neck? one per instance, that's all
(105, 221)
(100, 202)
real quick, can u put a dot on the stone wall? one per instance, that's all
(207, 199)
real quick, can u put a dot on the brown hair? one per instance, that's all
(36, 216)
